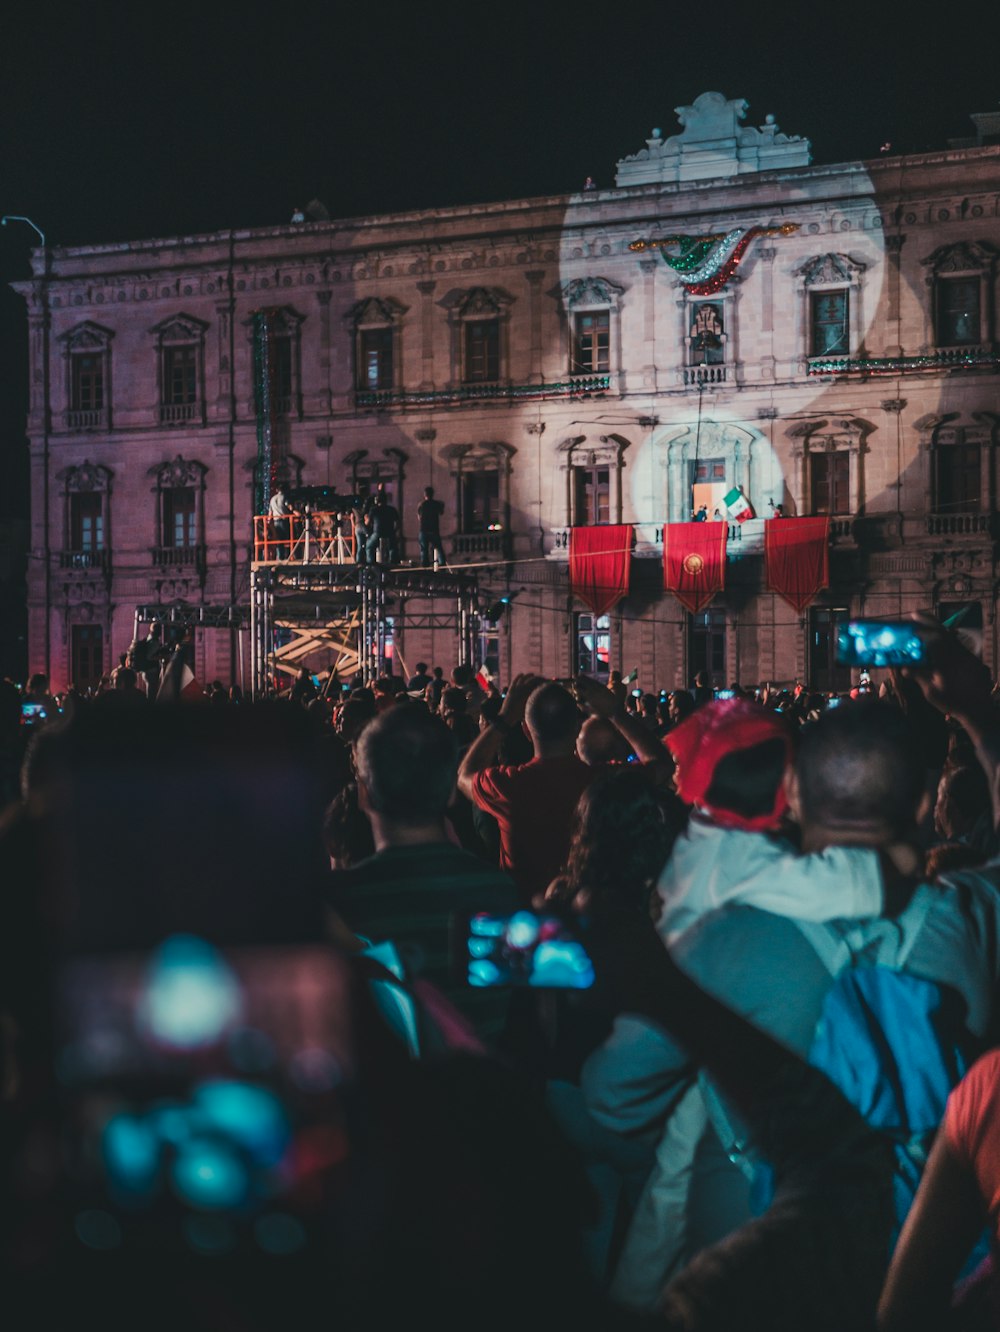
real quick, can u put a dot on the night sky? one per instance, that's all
(122, 121)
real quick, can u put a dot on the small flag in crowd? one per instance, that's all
(178, 683)
(738, 505)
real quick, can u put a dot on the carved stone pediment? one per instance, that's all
(713, 143)
(181, 328)
(178, 474)
(590, 291)
(830, 269)
(962, 257)
(87, 476)
(375, 311)
(478, 302)
(86, 337)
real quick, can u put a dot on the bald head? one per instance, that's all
(600, 741)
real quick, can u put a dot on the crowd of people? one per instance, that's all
(777, 1105)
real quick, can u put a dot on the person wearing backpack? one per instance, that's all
(859, 781)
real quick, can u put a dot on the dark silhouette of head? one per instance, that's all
(408, 762)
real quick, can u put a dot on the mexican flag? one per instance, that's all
(738, 505)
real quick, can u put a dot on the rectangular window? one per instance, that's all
(482, 351)
(375, 369)
(824, 672)
(958, 312)
(707, 645)
(830, 482)
(959, 477)
(87, 655)
(592, 496)
(593, 645)
(708, 486)
(179, 517)
(88, 383)
(180, 376)
(829, 330)
(707, 346)
(480, 501)
(592, 343)
(488, 649)
(86, 522)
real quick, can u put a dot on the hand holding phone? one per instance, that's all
(883, 643)
(539, 950)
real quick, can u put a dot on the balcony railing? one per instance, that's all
(947, 358)
(577, 386)
(179, 557)
(497, 544)
(83, 559)
(705, 374)
(91, 418)
(958, 524)
(173, 412)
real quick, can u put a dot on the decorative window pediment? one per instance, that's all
(590, 292)
(87, 476)
(962, 257)
(830, 270)
(375, 312)
(480, 303)
(86, 337)
(180, 472)
(180, 328)
(486, 456)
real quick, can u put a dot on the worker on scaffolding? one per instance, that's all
(382, 531)
(280, 512)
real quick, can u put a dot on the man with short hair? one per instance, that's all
(417, 880)
(533, 803)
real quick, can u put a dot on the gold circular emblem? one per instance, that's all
(693, 564)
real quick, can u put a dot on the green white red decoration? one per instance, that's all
(705, 264)
(738, 505)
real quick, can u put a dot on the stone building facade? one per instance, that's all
(539, 372)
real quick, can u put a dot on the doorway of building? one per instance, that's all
(87, 655)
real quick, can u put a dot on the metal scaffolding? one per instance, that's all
(339, 612)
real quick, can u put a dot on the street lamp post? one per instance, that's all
(46, 541)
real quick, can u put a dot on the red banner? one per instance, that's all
(600, 559)
(694, 562)
(797, 558)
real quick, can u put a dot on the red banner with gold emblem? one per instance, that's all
(694, 562)
(797, 558)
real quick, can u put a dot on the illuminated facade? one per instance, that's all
(540, 372)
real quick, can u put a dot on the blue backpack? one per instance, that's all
(895, 1044)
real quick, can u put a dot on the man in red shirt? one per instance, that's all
(534, 802)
